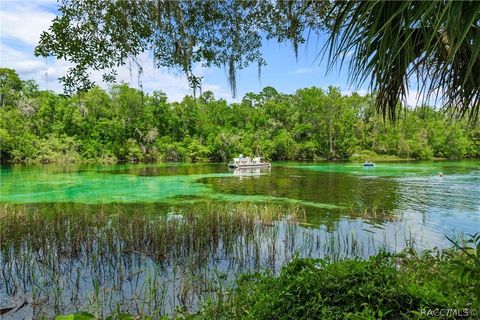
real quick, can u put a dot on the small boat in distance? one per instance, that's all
(368, 164)
(247, 162)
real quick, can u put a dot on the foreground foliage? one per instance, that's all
(385, 286)
(126, 125)
(112, 260)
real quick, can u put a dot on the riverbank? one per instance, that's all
(124, 124)
(408, 285)
(360, 158)
(221, 261)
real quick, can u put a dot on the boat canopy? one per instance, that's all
(242, 161)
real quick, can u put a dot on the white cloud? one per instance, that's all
(412, 98)
(19, 60)
(220, 92)
(24, 20)
(300, 71)
(416, 98)
(21, 23)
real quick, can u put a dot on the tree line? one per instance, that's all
(125, 124)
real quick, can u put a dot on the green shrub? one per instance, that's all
(134, 152)
(385, 286)
(363, 155)
(57, 149)
(196, 151)
(306, 151)
(171, 151)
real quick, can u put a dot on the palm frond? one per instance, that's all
(393, 42)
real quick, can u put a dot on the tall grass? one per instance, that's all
(107, 258)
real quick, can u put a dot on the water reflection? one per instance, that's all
(321, 187)
(153, 259)
(168, 169)
(249, 172)
(326, 189)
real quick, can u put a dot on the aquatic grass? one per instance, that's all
(374, 215)
(81, 248)
(64, 258)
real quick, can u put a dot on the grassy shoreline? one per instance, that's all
(407, 285)
(219, 261)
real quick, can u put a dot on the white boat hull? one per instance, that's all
(250, 165)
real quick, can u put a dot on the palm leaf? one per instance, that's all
(393, 43)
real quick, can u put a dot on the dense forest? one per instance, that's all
(125, 124)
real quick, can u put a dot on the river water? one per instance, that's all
(347, 210)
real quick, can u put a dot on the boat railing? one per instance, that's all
(247, 161)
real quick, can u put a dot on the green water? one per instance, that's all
(415, 189)
(99, 224)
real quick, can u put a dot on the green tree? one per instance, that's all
(10, 86)
(388, 42)
(457, 143)
(126, 125)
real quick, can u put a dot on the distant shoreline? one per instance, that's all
(379, 159)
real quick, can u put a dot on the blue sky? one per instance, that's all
(23, 21)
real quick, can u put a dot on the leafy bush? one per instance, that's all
(468, 267)
(284, 146)
(363, 155)
(385, 286)
(457, 143)
(306, 151)
(133, 151)
(196, 151)
(171, 151)
(62, 149)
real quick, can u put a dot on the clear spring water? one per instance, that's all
(422, 208)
